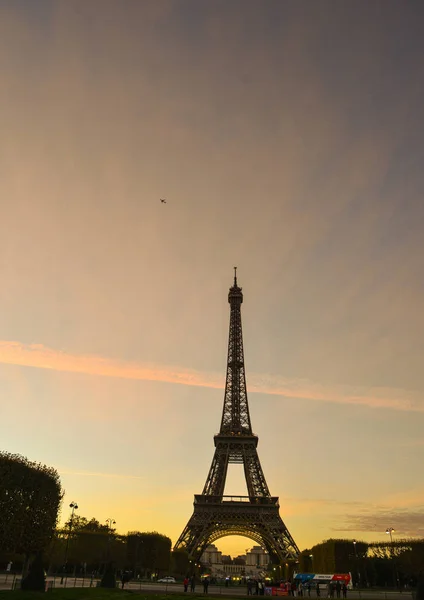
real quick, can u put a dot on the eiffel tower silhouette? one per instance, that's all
(255, 516)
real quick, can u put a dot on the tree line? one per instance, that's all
(379, 564)
(86, 549)
(30, 498)
(90, 546)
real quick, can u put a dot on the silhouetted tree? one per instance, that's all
(30, 496)
(340, 556)
(180, 564)
(91, 546)
(109, 577)
(420, 586)
(35, 581)
(151, 552)
(305, 561)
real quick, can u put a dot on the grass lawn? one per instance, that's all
(68, 594)
(97, 594)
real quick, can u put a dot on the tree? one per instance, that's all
(305, 561)
(411, 560)
(90, 542)
(397, 562)
(30, 496)
(109, 578)
(180, 564)
(149, 552)
(420, 586)
(340, 556)
(80, 523)
(91, 546)
(35, 581)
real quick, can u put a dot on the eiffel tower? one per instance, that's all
(255, 516)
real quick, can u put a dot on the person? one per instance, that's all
(318, 590)
(300, 589)
(308, 587)
(344, 589)
(185, 584)
(261, 587)
(338, 589)
(125, 577)
(205, 585)
(249, 587)
(192, 583)
(329, 589)
(289, 588)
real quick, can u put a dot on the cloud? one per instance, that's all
(403, 511)
(42, 357)
(406, 523)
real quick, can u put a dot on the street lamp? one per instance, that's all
(73, 506)
(357, 564)
(109, 523)
(390, 531)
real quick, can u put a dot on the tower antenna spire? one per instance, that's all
(235, 276)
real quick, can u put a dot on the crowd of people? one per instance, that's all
(334, 588)
(255, 586)
(191, 581)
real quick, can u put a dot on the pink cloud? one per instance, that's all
(41, 357)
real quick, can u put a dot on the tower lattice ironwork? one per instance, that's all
(255, 516)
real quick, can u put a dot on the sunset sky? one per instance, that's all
(287, 138)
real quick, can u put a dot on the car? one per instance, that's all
(167, 580)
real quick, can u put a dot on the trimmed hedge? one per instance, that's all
(30, 496)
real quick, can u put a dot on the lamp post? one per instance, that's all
(74, 507)
(357, 564)
(137, 547)
(390, 532)
(109, 523)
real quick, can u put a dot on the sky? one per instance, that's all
(287, 139)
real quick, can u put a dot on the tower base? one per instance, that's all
(257, 518)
